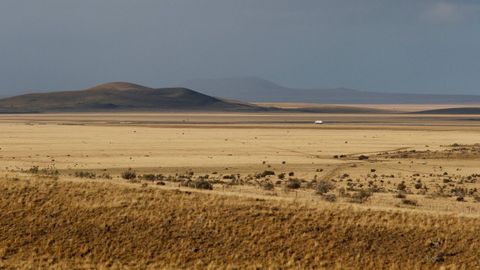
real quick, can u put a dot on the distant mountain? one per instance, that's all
(253, 89)
(121, 96)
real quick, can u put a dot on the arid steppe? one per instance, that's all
(239, 190)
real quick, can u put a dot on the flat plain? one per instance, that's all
(240, 190)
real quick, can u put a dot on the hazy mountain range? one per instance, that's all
(254, 89)
(222, 95)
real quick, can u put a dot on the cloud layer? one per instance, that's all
(411, 45)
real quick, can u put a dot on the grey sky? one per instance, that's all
(403, 46)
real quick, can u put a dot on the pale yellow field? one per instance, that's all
(234, 143)
(446, 158)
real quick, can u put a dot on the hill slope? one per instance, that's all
(120, 96)
(254, 89)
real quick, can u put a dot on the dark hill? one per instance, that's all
(120, 96)
(465, 110)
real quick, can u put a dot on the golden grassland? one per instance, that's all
(276, 191)
(54, 223)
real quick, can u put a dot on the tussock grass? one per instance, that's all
(48, 224)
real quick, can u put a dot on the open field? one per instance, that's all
(394, 108)
(240, 190)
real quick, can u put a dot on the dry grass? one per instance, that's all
(52, 223)
(279, 198)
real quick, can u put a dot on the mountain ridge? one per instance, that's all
(255, 89)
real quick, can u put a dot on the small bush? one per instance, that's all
(402, 186)
(268, 186)
(203, 184)
(324, 186)
(129, 175)
(34, 170)
(418, 185)
(360, 196)
(264, 174)
(83, 174)
(294, 184)
(267, 173)
(152, 177)
(329, 197)
(410, 202)
(149, 177)
(50, 172)
(198, 184)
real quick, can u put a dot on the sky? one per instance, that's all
(416, 46)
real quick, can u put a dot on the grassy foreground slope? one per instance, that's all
(57, 223)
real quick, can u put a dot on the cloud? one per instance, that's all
(451, 11)
(444, 12)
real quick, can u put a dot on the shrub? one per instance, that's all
(363, 157)
(268, 186)
(152, 177)
(264, 174)
(267, 173)
(49, 172)
(203, 184)
(402, 186)
(129, 175)
(360, 196)
(418, 185)
(410, 202)
(324, 186)
(329, 197)
(294, 184)
(198, 184)
(149, 177)
(34, 170)
(83, 174)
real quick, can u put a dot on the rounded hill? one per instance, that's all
(121, 96)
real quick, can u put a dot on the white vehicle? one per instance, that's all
(318, 122)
